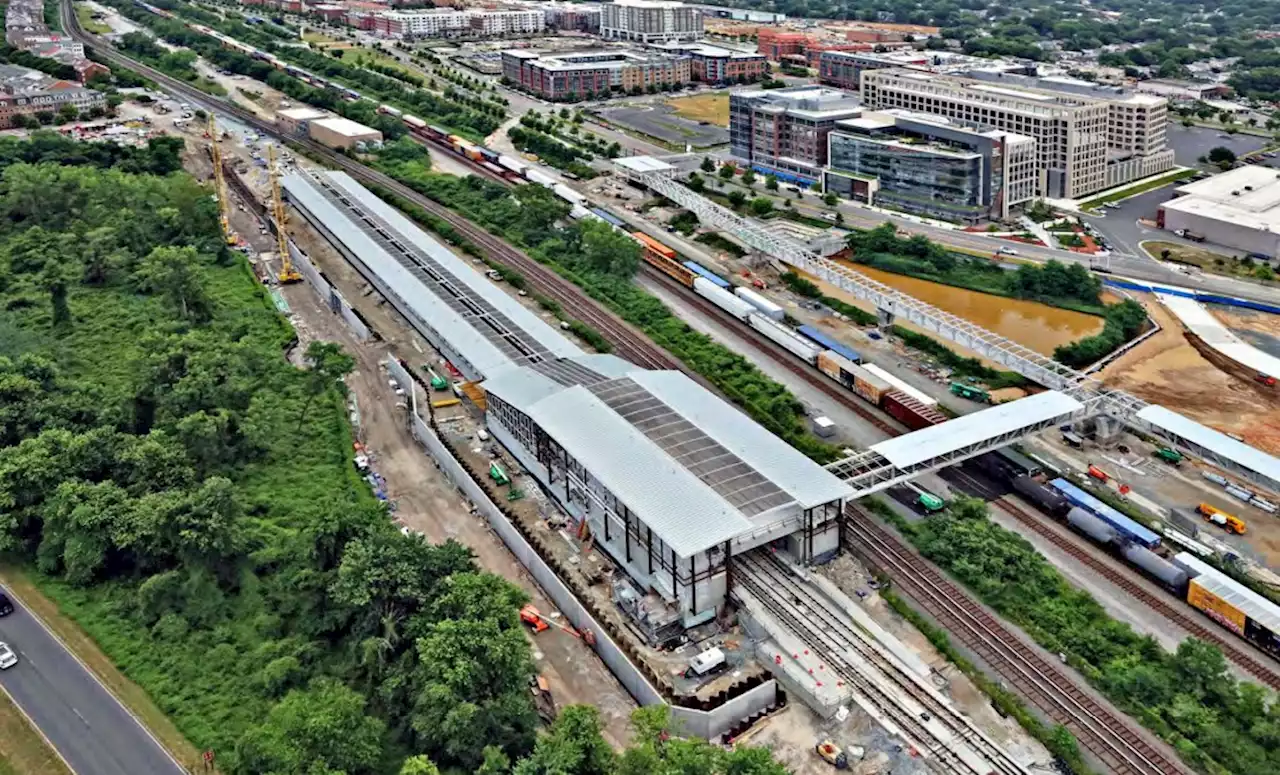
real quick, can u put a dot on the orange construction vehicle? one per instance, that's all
(1099, 474)
(1229, 522)
(539, 623)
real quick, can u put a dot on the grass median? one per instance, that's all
(22, 750)
(88, 652)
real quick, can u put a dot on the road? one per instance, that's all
(86, 724)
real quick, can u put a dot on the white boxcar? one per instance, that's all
(515, 165)
(568, 194)
(538, 176)
(722, 298)
(578, 212)
(915, 393)
(794, 343)
(415, 122)
(766, 307)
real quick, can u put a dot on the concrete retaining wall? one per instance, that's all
(329, 295)
(708, 723)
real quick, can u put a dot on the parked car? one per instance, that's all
(1007, 251)
(6, 605)
(8, 657)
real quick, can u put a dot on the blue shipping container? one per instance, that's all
(699, 269)
(830, 344)
(1127, 528)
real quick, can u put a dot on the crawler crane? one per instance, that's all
(287, 273)
(220, 183)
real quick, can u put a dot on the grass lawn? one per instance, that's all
(315, 36)
(1207, 260)
(368, 56)
(1125, 193)
(712, 107)
(85, 14)
(22, 750)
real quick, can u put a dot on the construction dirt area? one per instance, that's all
(712, 107)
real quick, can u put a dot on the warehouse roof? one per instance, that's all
(346, 127)
(483, 324)
(955, 435)
(301, 114)
(725, 456)
(1219, 443)
(1248, 197)
(1248, 602)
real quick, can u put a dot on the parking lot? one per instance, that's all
(1190, 143)
(660, 121)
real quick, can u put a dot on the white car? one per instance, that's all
(1007, 252)
(8, 657)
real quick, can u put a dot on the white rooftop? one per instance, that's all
(346, 127)
(474, 327)
(954, 435)
(1220, 443)
(301, 114)
(643, 164)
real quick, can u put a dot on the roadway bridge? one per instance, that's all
(870, 469)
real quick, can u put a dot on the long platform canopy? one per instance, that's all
(953, 436)
(1220, 444)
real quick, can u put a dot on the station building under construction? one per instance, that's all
(670, 480)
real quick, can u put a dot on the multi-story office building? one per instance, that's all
(713, 64)
(646, 21)
(585, 73)
(784, 131)
(932, 167)
(1070, 131)
(844, 69)
(1137, 123)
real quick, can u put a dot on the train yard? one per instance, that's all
(942, 735)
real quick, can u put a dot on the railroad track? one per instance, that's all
(780, 354)
(1106, 735)
(948, 739)
(1231, 650)
(628, 343)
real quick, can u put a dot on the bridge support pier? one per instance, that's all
(884, 319)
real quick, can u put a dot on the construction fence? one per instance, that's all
(329, 295)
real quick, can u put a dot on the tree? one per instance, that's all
(418, 765)
(1221, 154)
(761, 206)
(737, 199)
(830, 199)
(323, 729)
(608, 250)
(748, 177)
(771, 182)
(573, 744)
(708, 164)
(726, 171)
(174, 272)
(54, 278)
(329, 365)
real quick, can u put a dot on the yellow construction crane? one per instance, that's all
(219, 182)
(287, 273)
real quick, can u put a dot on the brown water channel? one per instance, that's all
(1031, 324)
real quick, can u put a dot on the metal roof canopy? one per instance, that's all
(480, 312)
(1253, 605)
(644, 164)
(1220, 444)
(939, 440)
(686, 514)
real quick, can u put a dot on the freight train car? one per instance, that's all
(915, 393)
(909, 411)
(1090, 525)
(783, 336)
(609, 218)
(710, 276)
(763, 306)
(1170, 576)
(1047, 499)
(1126, 528)
(722, 298)
(1231, 604)
(830, 343)
(837, 367)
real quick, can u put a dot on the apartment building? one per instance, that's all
(929, 166)
(714, 64)
(422, 24)
(1137, 123)
(25, 29)
(1070, 131)
(525, 22)
(844, 69)
(572, 16)
(647, 21)
(575, 75)
(783, 132)
(26, 92)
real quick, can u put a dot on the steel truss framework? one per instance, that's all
(894, 304)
